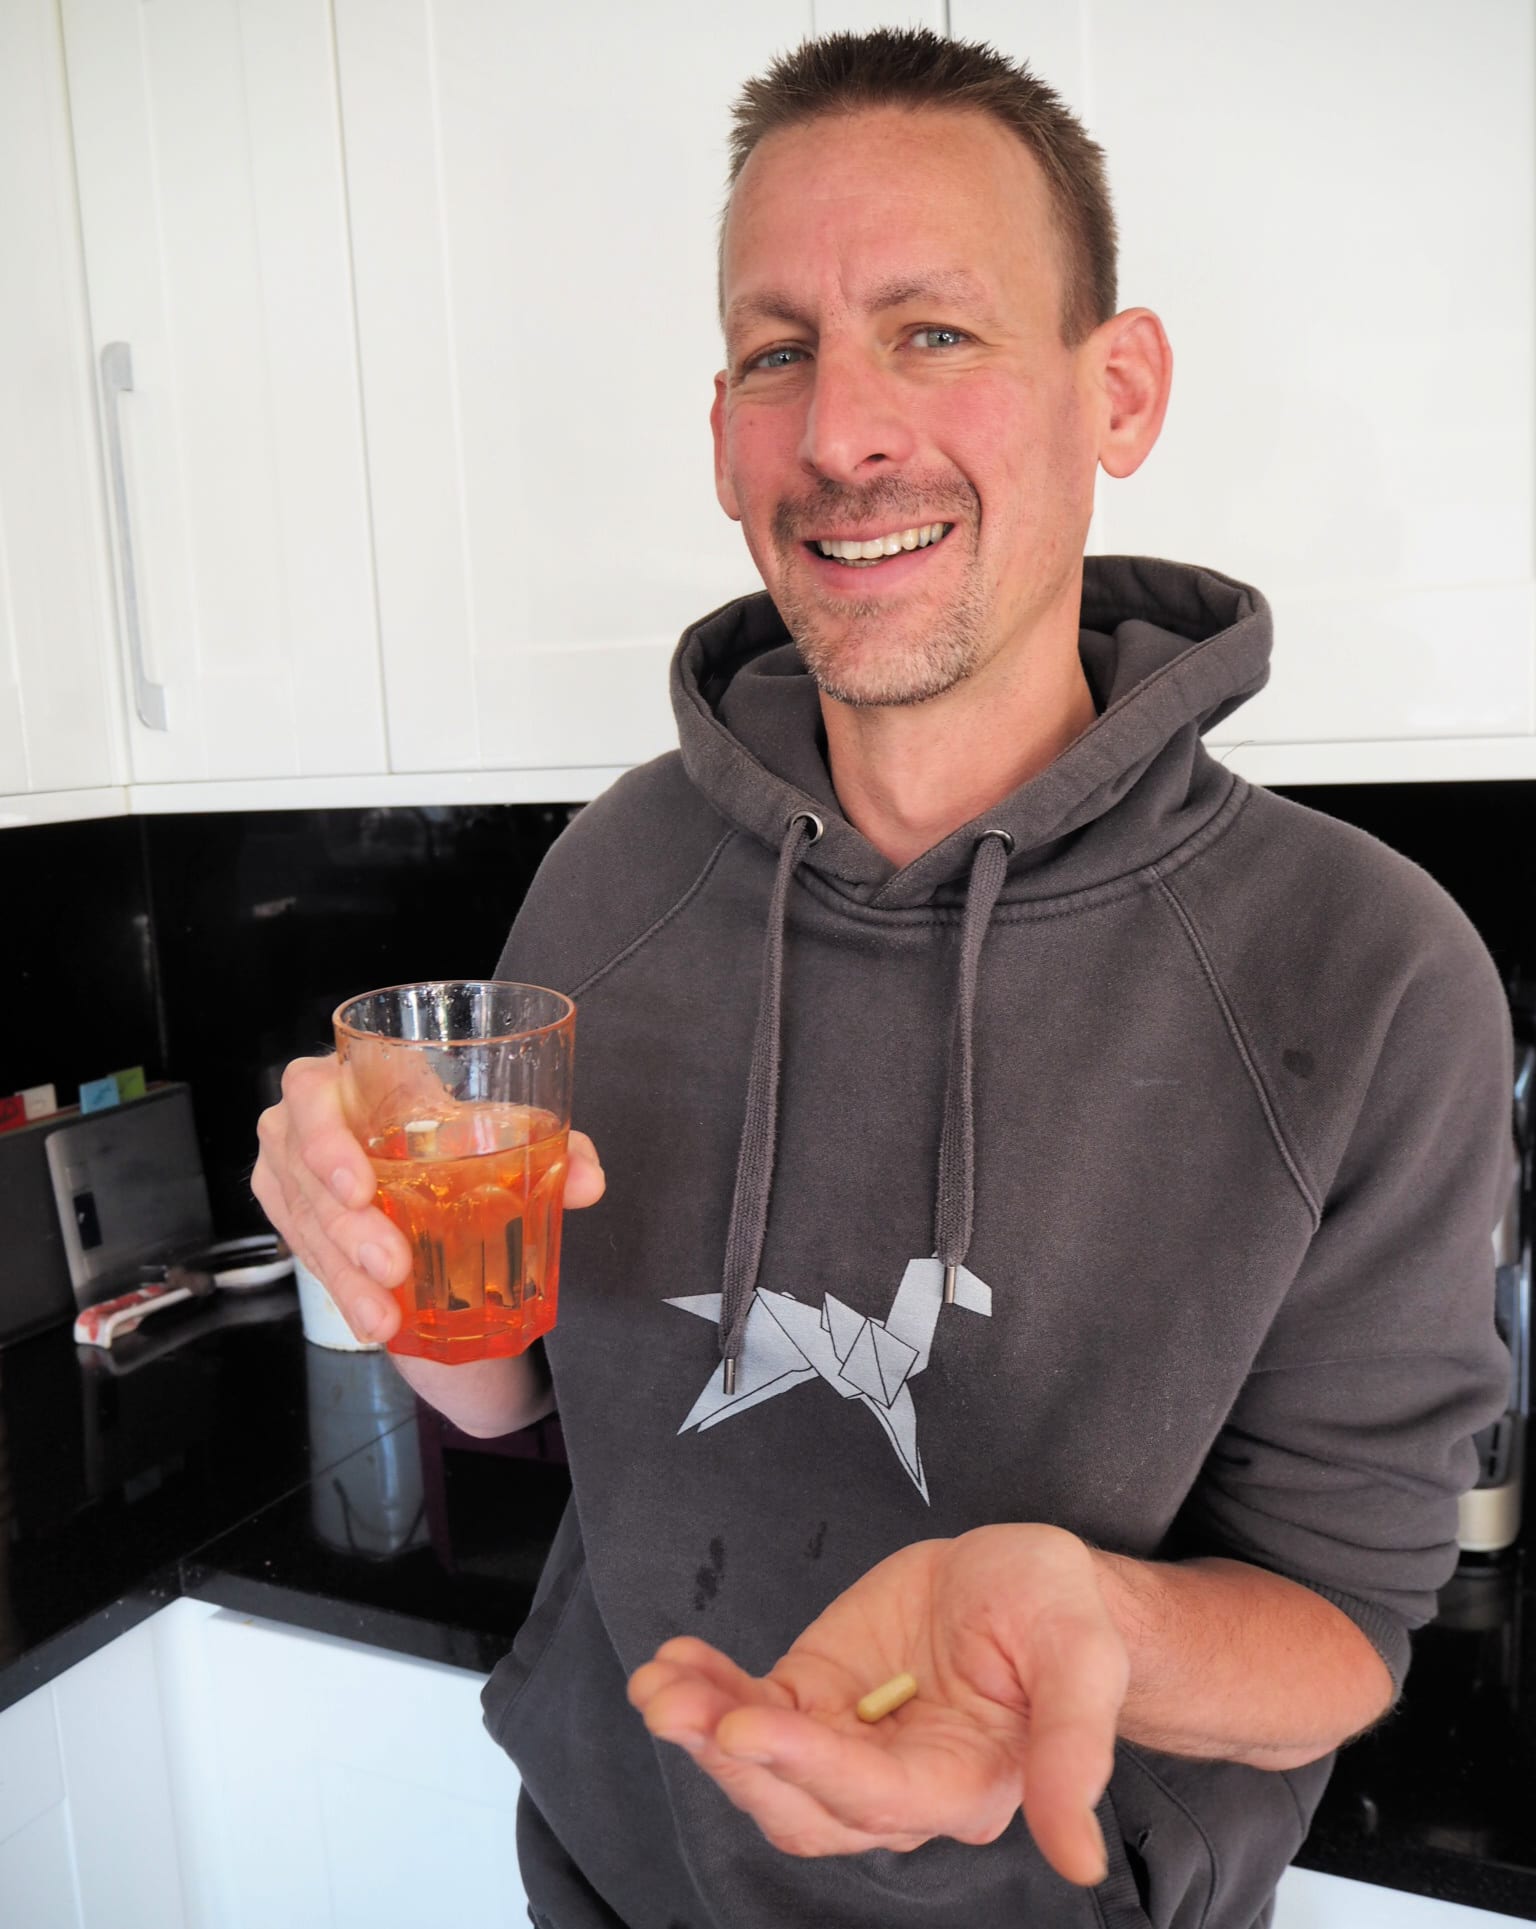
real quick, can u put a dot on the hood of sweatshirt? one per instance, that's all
(1168, 649)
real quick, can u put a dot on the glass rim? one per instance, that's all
(444, 984)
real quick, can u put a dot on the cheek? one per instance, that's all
(760, 447)
(1024, 463)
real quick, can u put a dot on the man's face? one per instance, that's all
(892, 298)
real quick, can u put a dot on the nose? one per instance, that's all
(855, 422)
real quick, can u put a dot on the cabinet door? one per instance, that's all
(1333, 209)
(347, 1788)
(59, 728)
(867, 16)
(534, 194)
(87, 1830)
(214, 218)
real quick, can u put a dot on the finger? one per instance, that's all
(956, 1783)
(584, 1180)
(319, 1134)
(690, 1686)
(685, 1708)
(357, 1255)
(683, 1696)
(686, 1650)
(363, 1300)
(794, 1822)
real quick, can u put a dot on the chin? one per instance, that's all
(876, 678)
(855, 658)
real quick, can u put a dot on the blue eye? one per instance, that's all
(952, 336)
(771, 360)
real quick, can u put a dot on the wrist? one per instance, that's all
(1135, 1595)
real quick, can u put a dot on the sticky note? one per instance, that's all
(130, 1084)
(98, 1093)
(12, 1112)
(39, 1100)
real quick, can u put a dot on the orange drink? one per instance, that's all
(460, 1091)
(478, 1199)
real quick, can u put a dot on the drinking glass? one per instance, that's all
(460, 1092)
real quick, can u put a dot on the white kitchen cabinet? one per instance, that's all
(87, 1826)
(213, 209)
(210, 1771)
(418, 302)
(323, 1784)
(1333, 209)
(534, 193)
(1308, 1900)
(865, 16)
(61, 749)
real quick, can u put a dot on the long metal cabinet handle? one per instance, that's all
(117, 375)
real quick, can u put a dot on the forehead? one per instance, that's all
(855, 204)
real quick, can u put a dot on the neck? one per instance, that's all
(906, 777)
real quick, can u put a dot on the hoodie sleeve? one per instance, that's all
(1342, 1462)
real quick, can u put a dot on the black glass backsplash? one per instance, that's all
(78, 985)
(213, 947)
(1478, 840)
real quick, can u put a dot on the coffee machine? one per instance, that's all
(1490, 1515)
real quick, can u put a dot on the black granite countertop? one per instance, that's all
(234, 1462)
(228, 1459)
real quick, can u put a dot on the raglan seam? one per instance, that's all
(657, 924)
(1267, 1105)
(1419, 1356)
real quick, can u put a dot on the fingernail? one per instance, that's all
(374, 1260)
(750, 1755)
(693, 1743)
(365, 1318)
(344, 1185)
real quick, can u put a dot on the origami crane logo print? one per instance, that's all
(869, 1360)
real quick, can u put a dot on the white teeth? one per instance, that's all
(879, 547)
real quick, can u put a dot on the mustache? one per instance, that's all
(900, 499)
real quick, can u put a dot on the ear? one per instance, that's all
(1133, 377)
(724, 491)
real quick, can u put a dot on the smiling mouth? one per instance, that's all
(855, 553)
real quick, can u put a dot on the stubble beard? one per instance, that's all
(898, 667)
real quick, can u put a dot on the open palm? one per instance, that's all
(1020, 1674)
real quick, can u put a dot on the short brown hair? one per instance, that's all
(843, 73)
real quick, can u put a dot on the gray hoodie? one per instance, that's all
(1202, 1098)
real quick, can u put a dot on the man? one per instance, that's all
(1047, 1246)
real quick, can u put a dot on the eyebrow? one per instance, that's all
(952, 284)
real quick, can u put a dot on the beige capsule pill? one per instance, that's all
(887, 1698)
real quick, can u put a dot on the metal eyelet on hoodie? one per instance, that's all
(954, 1207)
